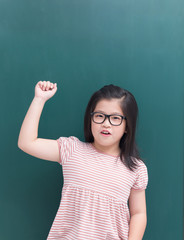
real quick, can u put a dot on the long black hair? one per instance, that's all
(129, 154)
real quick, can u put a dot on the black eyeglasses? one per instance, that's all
(114, 119)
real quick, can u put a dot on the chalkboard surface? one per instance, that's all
(83, 45)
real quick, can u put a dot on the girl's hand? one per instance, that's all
(45, 90)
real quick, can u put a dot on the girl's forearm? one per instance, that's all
(29, 128)
(137, 226)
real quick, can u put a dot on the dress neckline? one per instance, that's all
(98, 151)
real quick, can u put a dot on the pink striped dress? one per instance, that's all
(94, 200)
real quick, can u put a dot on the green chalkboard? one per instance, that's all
(83, 45)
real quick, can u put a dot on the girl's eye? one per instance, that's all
(99, 115)
(116, 118)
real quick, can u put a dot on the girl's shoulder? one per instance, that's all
(68, 146)
(141, 165)
(68, 139)
(141, 175)
(71, 140)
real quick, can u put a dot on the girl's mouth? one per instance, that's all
(105, 133)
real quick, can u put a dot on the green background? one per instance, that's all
(83, 45)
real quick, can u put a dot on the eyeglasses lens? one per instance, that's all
(115, 120)
(98, 118)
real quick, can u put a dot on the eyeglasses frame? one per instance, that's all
(108, 116)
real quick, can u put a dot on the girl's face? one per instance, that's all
(108, 143)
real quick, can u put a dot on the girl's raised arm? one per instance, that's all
(28, 140)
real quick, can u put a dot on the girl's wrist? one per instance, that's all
(39, 100)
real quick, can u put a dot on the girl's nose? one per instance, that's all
(106, 123)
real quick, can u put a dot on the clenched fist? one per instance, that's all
(45, 90)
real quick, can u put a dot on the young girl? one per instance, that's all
(103, 196)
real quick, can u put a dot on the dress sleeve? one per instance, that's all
(66, 147)
(141, 181)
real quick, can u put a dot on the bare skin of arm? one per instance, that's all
(138, 216)
(28, 141)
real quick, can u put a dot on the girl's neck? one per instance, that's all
(113, 150)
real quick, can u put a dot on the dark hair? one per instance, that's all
(129, 152)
